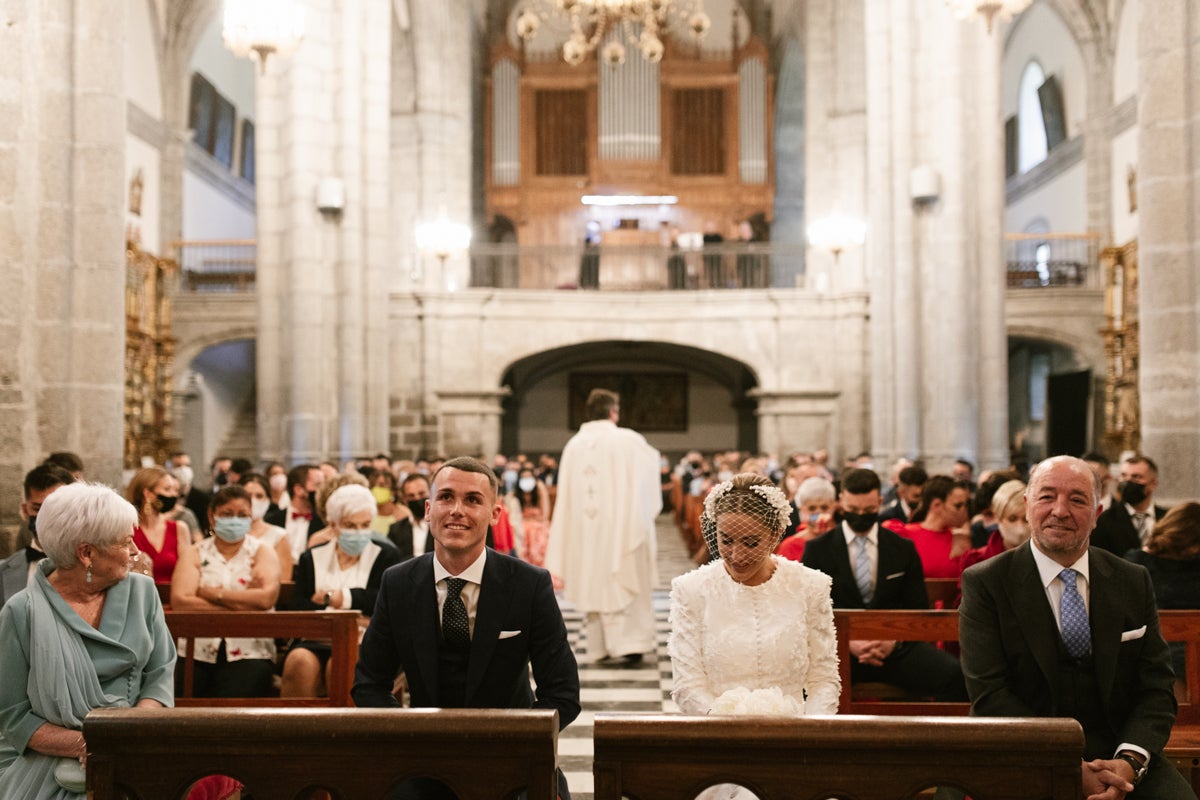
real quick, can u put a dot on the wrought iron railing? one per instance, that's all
(736, 265)
(216, 265)
(1037, 260)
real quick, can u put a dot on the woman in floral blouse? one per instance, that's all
(234, 572)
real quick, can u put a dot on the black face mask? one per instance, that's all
(1131, 492)
(417, 507)
(860, 523)
(166, 503)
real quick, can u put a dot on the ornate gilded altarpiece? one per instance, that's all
(149, 354)
(1122, 406)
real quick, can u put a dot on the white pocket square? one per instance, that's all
(510, 634)
(1136, 633)
(894, 575)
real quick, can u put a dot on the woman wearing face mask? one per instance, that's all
(383, 489)
(229, 571)
(275, 537)
(533, 501)
(160, 540)
(1012, 529)
(277, 483)
(341, 573)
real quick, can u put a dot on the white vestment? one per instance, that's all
(602, 540)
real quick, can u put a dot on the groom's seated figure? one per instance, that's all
(874, 568)
(465, 623)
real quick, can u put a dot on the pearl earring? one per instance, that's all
(88, 576)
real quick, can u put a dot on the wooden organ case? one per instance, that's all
(696, 126)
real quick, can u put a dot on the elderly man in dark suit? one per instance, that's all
(1058, 628)
(1126, 524)
(873, 567)
(465, 623)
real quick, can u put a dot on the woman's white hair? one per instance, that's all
(80, 513)
(814, 489)
(347, 501)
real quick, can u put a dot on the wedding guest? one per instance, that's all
(154, 493)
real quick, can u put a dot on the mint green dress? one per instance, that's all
(56, 668)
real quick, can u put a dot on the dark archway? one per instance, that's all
(718, 414)
(1052, 399)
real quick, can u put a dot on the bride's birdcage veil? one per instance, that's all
(748, 505)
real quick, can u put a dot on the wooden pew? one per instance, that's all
(148, 754)
(338, 627)
(1183, 748)
(656, 757)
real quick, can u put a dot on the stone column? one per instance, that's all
(937, 297)
(62, 266)
(322, 113)
(1169, 241)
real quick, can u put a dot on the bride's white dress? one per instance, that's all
(725, 635)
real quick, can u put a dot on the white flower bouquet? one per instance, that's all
(771, 702)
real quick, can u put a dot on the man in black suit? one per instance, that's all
(465, 623)
(1057, 629)
(40, 483)
(411, 535)
(909, 484)
(300, 519)
(1127, 523)
(873, 567)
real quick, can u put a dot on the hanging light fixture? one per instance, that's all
(837, 233)
(643, 23)
(262, 28)
(990, 10)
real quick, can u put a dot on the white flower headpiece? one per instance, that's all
(769, 492)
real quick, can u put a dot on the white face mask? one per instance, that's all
(185, 476)
(278, 482)
(1014, 535)
(258, 508)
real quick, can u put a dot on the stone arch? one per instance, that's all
(186, 351)
(215, 392)
(718, 410)
(1056, 393)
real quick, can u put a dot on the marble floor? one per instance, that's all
(647, 688)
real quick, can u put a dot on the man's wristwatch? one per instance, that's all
(1139, 768)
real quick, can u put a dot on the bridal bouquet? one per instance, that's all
(771, 702)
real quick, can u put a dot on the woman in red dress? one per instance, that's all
(153, 492)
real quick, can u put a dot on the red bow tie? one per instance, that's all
(298, 515)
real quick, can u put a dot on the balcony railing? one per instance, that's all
(217, 265)
(736, 265)
(1037, 260)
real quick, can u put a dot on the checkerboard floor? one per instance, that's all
(645, 689)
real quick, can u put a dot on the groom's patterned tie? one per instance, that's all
(456, 629)
(1076, 631)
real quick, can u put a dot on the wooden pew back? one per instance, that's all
(353, 753)
(652, 757)
(340, 628)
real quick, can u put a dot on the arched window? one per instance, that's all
(1031, 128)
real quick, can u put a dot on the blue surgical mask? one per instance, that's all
(353, 542)
(231, 529)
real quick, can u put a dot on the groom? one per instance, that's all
(465, 623)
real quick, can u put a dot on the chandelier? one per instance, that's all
(643, 24)
(990, 10)
(260, 28)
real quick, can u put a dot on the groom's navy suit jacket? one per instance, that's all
(517, 625)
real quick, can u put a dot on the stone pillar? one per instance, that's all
(938, 346)
(322, 113)
(1169, 241)
(62, 266)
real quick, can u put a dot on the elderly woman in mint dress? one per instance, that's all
(85, 634)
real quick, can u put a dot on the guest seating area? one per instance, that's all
(338, 627)
(1183, 748)
(869, 758)
(155, 754)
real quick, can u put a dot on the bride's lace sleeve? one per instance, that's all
(823, 684)
(691, 691)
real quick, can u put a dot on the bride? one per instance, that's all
(752, 633)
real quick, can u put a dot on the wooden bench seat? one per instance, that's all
(282, 754)
(658, 757)
(1183, 748)
(340, 628)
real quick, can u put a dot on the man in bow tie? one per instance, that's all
(300, 519)
(1059, 628)
(466, 623)
(40, 483)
